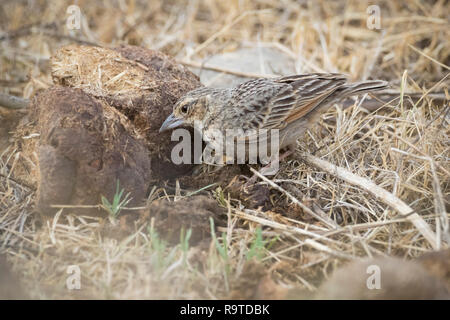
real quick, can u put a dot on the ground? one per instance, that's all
(262, 240)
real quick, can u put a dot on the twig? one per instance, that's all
(225, 28)
(412, 146)
(90, 206)
(13, 102)
(294, 199)
(68, 37)
(46, 29)
(385, 196)
(133, 27)
(27, 29)
(22, 184)
(291, 229)
(220, 69)
(431, 89)
(427, 56)
(439, 207)
(414, 95)
(280, 226)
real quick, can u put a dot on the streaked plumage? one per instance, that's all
(290, 104)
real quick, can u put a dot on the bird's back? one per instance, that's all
(289, 104)
(274, 103)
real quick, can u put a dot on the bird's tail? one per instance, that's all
(363, 87)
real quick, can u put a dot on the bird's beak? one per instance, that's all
(171, 122)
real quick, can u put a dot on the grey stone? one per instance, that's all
(256, 60)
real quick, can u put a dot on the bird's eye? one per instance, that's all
(184, 109)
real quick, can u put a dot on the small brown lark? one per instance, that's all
(290, 104)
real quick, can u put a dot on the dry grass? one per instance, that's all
(403, 147)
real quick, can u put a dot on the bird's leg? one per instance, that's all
(290, 150)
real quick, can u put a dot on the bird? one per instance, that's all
(289, 104)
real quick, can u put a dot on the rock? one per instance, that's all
(256, 60)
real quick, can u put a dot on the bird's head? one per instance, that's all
(190, 108)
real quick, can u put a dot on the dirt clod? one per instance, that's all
(437, 263)
(85, 149)
(246, 285)
(187, 213)
(253, 196)
(140, 83)
(399, 279)
(10, 287)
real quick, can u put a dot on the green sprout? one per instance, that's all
(222, 249)
(160, 258)
(258, 246)
(118, 203)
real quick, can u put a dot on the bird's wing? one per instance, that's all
(274, 103)
(307, 92)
